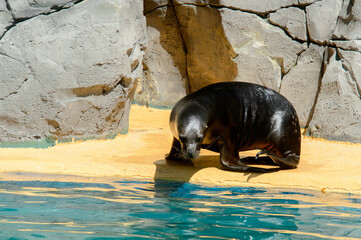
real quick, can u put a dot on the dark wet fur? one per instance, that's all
(238, 117)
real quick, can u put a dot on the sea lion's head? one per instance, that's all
(191, 132)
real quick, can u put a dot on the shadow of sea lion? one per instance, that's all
(183, 171)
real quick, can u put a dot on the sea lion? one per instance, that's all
(229, 117)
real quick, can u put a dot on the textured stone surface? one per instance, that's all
(354, 45)
(209, 54)
(6, 18)
(306, 2)
(71, 73)
(322, 19)
(351, 62)
(164, 80)
(263, 51)
(150, 5)
(349, 21)
(245, 5)
(338, 110)
(300, 85)
(242, 46)
(69, 67)
(26, 9)
(279, 44)
(292, 20)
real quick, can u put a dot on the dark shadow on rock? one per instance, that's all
(165, 22)
(195, 39)
(251, 175)
(184, 171)
(209, 56)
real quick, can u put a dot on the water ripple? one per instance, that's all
(171, 210)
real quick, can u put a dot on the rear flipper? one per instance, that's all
(245, 168)
(288, 162)
(258, 161)
(231, 162)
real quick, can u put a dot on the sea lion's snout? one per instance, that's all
(191, 144)
(191, 153)
(190, 150)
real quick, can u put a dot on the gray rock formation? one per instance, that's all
(71, 73)
(22, 9)
(70, 67)
(263, 52)
(260, 7)
(349, 21)
(279, 44)
(6, 18)
(353, 45)
(164, 80)
(337, 114)
(293, 20)
(351, 62)
(306, 2)
(322, 19)
(301, 84)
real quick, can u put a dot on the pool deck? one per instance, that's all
(325, 166)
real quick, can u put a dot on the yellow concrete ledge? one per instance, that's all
(325, 166)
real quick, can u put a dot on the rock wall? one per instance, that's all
(68, 68)
(308, 50)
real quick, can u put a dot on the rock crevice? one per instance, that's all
(47, 11)
(324, 61)
(184, 44)
(14, 92)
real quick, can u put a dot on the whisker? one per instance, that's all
(176, 148)
(212, 143)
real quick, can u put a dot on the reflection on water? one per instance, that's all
(171, 210)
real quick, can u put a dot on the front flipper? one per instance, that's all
(175, 156)
(230, 161)
(175, 153)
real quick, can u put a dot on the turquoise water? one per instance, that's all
(172, 210)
